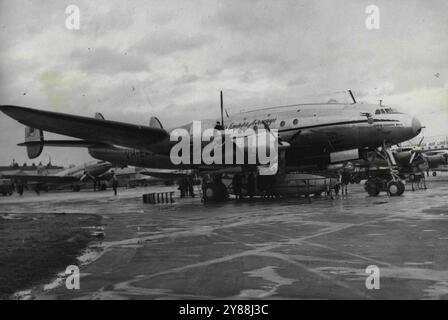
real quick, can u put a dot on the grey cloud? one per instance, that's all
(259, 17)
(165, 43)
(108, 61)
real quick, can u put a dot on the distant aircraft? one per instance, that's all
(94, 171)
(311, 137)
(434, 154)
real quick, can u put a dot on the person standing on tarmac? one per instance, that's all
(190, 186)
(114, 183)
(345, 180)
(251, 185)
(236, 183)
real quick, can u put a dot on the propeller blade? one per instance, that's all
(412, 157)
(421, 141)
(86, 176)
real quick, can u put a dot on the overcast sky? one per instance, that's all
(133, 59)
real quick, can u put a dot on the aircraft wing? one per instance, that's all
(90, 129)
(165, 174)
(41, 179)
(64, 143)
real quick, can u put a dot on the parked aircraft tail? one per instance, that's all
(34, 139)
(154, 122)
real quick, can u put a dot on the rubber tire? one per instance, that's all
(76, 188)
(395, 188)
(371, 188)
(211, 193)
(434, 174)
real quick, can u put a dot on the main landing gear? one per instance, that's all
(214, 191)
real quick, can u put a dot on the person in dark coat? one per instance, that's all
(114, 182)
(236, 182)
(251, 185)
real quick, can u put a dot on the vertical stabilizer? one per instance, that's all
(35, 142)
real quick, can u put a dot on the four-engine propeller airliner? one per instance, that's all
(312, 137)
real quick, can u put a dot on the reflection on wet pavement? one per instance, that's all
(288, 249)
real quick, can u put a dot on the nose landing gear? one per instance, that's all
(395, 188)
(387, 180)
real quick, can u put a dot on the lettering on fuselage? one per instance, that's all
(249, 124)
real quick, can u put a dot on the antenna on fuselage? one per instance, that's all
(351, 95)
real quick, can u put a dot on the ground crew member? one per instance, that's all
(190, 186)
(250, 185)
(114, 183)
(20, 187)
(345, 180)
(236, 182)
(182, 187)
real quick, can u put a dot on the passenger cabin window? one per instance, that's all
(282, 124)
(295, 122)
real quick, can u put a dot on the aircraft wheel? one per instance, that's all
(395, 188)
(214, 193)
(372, 188)
(4, 193)
(411, 177)
(211, 193)
(434, 173)
(76, 188)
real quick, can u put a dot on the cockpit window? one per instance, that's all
(387, 111)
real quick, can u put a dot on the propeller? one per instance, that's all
(416, 150)
(86, 175)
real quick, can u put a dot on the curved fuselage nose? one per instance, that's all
(99, 168)
(395, 128)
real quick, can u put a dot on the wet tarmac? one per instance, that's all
(268, 249)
